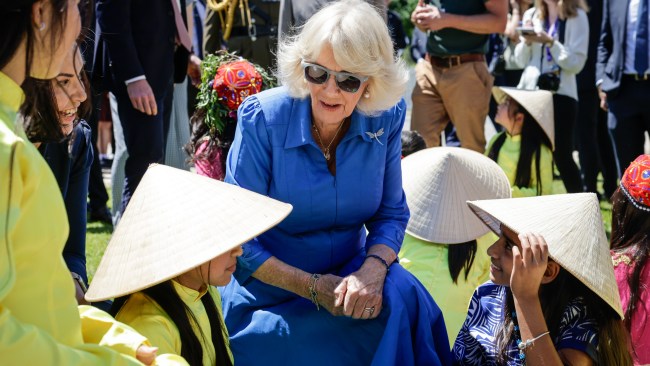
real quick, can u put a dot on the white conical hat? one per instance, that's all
(573, 228)
(539, 103)
(176, 221)
(437, 183)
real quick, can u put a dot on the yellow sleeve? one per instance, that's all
(22, 343)
(99, 327)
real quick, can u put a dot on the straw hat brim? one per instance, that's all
(572, 226)
(176, 221)
(539, 103)
(438, 181)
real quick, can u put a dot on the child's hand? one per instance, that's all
(146, 354)
(528, 265)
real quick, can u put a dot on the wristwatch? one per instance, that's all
(80, 281)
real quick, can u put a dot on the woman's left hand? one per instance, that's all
(529, 265)
(361, 292)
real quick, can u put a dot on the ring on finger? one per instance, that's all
(371, 310)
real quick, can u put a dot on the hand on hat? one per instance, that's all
(530, 259)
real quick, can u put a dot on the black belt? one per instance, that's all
(637, 77)
(260, 31)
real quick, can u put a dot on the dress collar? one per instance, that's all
(187, 294)
(299, 129)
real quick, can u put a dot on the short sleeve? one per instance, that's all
(578, 330)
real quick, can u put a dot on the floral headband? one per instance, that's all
(636, 183)
(226, 80)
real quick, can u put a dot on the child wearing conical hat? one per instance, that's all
(180, 237)
(524, 150)
(630, 243)
(552, 296)
(445, 243)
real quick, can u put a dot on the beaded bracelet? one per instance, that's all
(312, 290)
(379, 259)
(522, 345)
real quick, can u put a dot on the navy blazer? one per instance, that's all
(139, 37)
(611, 48)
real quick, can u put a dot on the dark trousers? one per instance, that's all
(144, 136)
(97, 195)
(628, 119)
(594, 145)
(566, 112)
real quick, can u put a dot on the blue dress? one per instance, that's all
(475, 344)
(274, 154)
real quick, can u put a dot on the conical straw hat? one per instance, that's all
(573, 228)
(176, 221)
(437, 183)
(539, 103)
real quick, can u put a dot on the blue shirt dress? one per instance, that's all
(475, 344)
(275, 154)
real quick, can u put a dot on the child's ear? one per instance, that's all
(552, 270)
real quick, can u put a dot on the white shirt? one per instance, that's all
(570, 56)
(630, 39)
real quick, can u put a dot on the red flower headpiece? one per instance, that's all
(235, 81)
(636, 182)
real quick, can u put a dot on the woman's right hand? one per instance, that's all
(529, 262)
(326, 297)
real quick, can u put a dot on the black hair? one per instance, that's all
(41, 121)
(631, 230)
(554, 297)
(168, 299)
(412, 141)
(16, 20)
(532, 139)
(461, 256)
(200, 132)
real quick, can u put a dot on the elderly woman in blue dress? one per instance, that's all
(317, 289)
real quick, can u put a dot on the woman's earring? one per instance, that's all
(42, 27)
(366, 94)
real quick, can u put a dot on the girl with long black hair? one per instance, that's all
(552, 296)
(179, 238)
(630, 244)
(445, 244)
(524, 149)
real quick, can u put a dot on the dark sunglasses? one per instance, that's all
(318, 74)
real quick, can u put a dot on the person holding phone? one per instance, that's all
(551, 58)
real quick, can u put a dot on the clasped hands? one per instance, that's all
(358, 295)
(428, 17)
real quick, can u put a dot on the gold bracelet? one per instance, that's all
(312, 290)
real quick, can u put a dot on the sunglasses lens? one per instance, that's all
(348, 83)
(315, 74)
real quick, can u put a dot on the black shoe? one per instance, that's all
(101, 215)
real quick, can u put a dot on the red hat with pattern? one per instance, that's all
(636, 182)
(235, 81)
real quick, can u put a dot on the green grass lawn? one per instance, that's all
(99, 234)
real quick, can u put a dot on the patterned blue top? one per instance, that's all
(475, 344)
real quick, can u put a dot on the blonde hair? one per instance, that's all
(565, 8)
(361, 45)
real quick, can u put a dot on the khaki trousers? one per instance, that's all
(460, 94)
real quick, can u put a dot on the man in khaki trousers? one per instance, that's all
(454, 83)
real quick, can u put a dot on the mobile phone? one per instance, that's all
(526, 31)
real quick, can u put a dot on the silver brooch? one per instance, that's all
(376, 135)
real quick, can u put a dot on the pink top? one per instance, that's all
(623, 269)
(211, 165)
